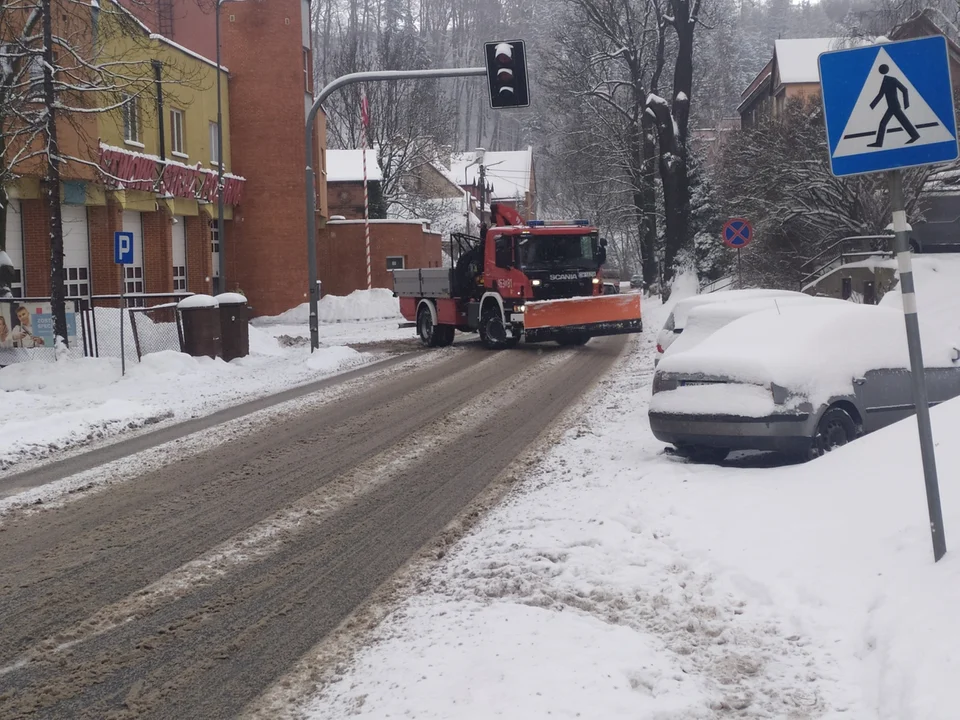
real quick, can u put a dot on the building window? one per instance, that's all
(131, 119)
(179, 278)
(177, 132)
(76, 281)
(215, 247)
(214, 136)
(395, 262)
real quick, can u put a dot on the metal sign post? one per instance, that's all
(864, 91)
(122, 255)
(343, 81)
(737, 233)
(917, 375)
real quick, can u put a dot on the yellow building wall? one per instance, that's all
(189, 85)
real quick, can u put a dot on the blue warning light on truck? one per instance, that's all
(888, 106)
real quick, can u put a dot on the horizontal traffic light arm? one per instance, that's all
(343, 81)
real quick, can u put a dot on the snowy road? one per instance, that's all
(191, 586)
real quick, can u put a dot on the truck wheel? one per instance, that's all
(428, 332)
(444, 335)
(493, 334)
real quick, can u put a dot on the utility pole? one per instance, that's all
(52, 180)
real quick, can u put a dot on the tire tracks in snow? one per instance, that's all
(269, 578)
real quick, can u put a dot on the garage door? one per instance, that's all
(76, 250)
(180, 254)
(15, 245)
(133, 273)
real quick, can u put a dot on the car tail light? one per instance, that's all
(660, 348)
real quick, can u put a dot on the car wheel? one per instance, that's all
(835, 429)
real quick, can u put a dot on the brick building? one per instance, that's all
(792, 73)
(394, 245)
(344, 173)
(158, 170)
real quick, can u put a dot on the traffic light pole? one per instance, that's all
(343, 81)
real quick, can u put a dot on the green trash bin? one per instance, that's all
(234, 325)
(200, 326)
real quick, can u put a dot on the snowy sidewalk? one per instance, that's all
(52, 407)
(619, 582)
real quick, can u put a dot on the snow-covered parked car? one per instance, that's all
(677, 319)
(702, 321)
(802, 379)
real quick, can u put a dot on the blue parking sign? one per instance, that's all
(123, 248)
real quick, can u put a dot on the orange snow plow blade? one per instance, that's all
(592, 315)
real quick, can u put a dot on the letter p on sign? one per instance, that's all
(123, 248)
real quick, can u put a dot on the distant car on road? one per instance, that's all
(801, 380)
(677, 319)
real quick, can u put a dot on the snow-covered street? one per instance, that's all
(52, 407)
(618, 581)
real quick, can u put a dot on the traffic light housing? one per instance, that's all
(507, 74)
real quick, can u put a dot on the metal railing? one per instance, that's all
(125, 326)
(842, 252)
(724, 283)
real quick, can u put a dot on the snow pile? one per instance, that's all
(937, 282)
(619, 582)
(811, 348)
(360, 305)
(53, 406)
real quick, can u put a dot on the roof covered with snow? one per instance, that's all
(347, 166)
(510, 172)
(797, 59)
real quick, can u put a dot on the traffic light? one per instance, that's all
(507, 74)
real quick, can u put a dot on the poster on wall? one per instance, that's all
(29, 325)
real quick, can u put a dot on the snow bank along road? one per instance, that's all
(188, 589)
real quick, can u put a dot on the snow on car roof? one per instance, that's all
(704, 320)
(683, 307)
(814, 348)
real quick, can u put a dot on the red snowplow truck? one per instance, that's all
(535, 280)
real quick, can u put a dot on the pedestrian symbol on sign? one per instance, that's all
(890, 89)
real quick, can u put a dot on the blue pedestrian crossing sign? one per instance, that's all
(888, 106)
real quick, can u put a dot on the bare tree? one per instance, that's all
(66, 64)
(778, 174)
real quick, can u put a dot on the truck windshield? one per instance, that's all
(557, 251)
